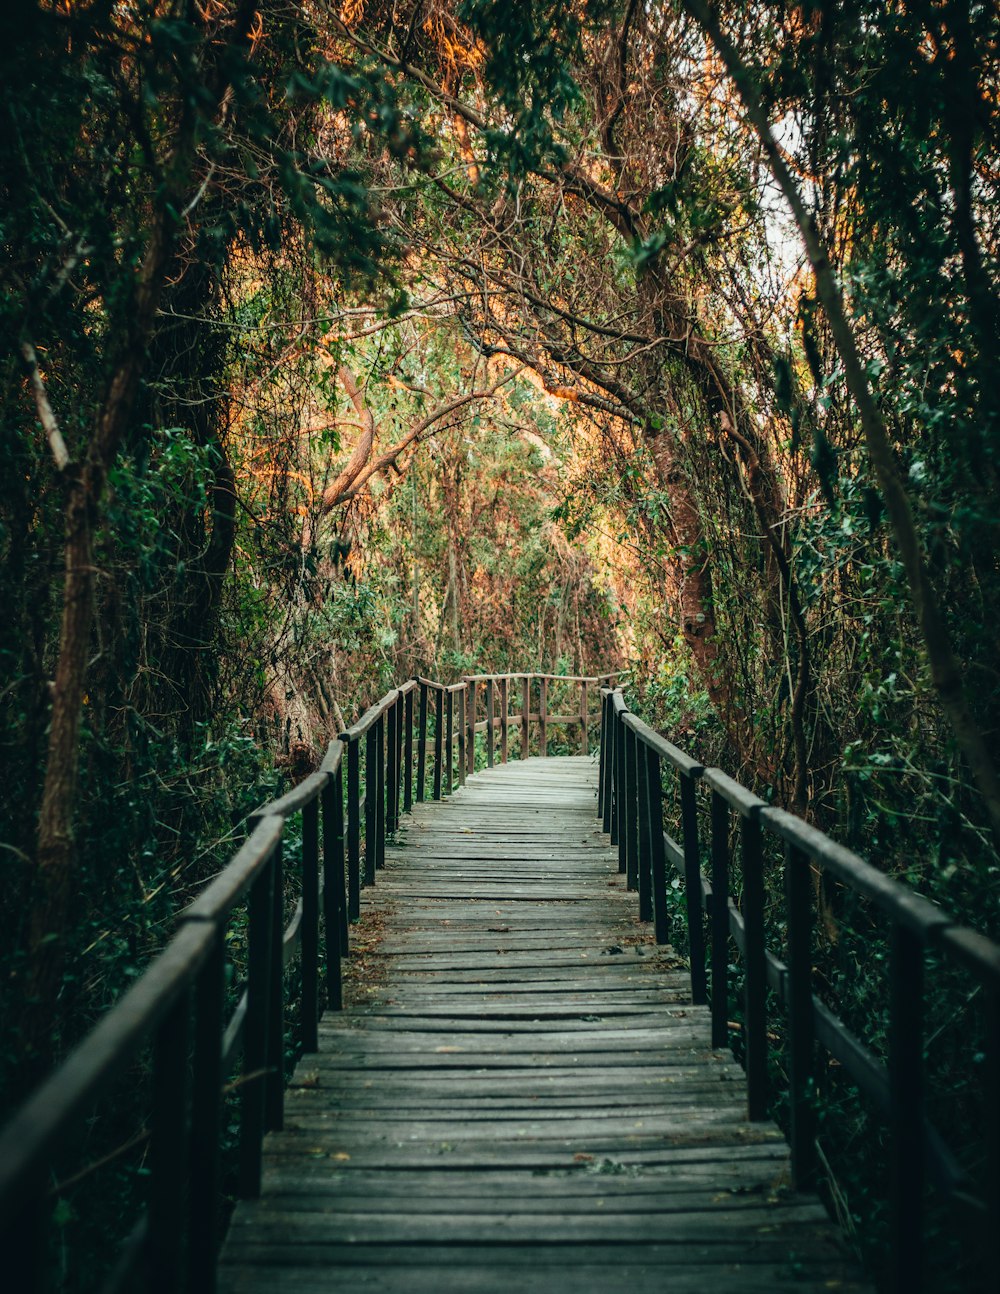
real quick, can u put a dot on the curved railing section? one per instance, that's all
(204, 1035)
(634, 762)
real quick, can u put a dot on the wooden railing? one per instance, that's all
(499, 691)
(200, 1033)
(634, 759)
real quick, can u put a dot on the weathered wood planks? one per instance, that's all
(523, 1098)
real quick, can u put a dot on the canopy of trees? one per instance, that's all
(343, 342)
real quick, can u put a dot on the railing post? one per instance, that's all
(422, 742)
(631, 811)
(206, 1106)
(755, 956)
(543, 715)
(338, 861)
(398, 788)
(602, 764)
(353, 750)
(720, 921)
(525, 715)
(618, 832)
(489, 723)
(380, 797)
(255, 1050)
(334, 897)
(472, 725)
(503, 720)
(802, 1132)
(906, 1113)
(438, 742)
(275, 1080)
(408, 752)
(694, 898)
(462, 736)
(644, 854)
(608, 754)
(371, 804)
(449, 739)
(392, 767)
(169, 1149)
(310, 926)
(992, 1121)
(584, 734)
(657, 854)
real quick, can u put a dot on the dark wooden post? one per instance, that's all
(310, 926)
(644, 860)
(543, 715)
(392, 717)
(991, 1079)
(694, 898)
(802, 1133)
(255, 1049)
(371, 803)
(353, 750)
(618, 817)
(206, 1109)
(472, 726)
(503, 720)
(380, 796)
(720, 921)
(422, 743)
(169, 1148)
(449, 740)
(755, 958)
(408, 752)
(275, 1080)
(602, 764)
(631, 811)
(906, 1112)
(489, 723)
(657, 852)
(525, 715)
(607, 762)
(399, 762)
(584, 734)
(339, 841)
(462, 737)
(438, 742)
(334, 896)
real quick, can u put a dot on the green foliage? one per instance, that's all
(529, 47)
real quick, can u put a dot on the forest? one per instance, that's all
(344, 343)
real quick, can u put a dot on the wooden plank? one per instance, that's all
(521, 1095)
(626, 1277)
(786, 1246)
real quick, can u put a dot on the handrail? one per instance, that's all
(630, 804)
(552, 678)
(370, 716)
(179, 1004)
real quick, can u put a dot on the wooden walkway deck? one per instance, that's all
(522, 1097)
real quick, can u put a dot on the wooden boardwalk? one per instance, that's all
(522, 1097)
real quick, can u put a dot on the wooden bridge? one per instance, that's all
(522, 1096)
(523, 1086)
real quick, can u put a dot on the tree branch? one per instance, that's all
(45, 413)
(360, 470)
